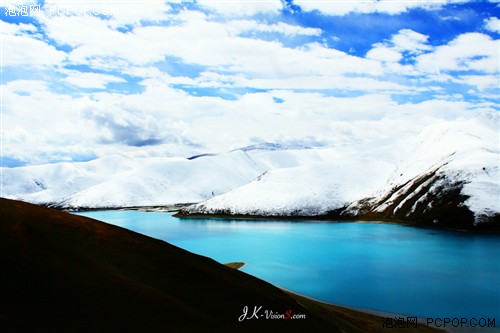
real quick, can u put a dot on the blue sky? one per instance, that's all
(85, 79)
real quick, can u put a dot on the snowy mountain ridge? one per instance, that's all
(448, 171)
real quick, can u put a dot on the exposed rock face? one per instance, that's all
(431, 199)
(428, 199)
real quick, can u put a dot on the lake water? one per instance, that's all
(384, 267)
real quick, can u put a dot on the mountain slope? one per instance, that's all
(448, 174)
(118, 181)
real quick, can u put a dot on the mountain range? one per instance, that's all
(447, 174)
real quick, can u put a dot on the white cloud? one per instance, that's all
(92, 38)
(22, 45)
(444, 109)
(26, 86)
(280, 27)
(90, 80)
(8, 3)
(481, 82)
(383, 53)
(15, 29)
(37, 124)
(242, 7)
(27, 51)
(163, 120)
(208, 79)
(120, 13)
(225, 53)
(343, 7)
(391, 53)
(202, 42)
(316, 82)
(492, 24)
(467, 52)
(411, 41)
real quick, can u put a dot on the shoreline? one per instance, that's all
(360, 320)
(491, 229)
(176, 210)
(353, 313)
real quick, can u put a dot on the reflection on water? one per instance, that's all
(386, 267)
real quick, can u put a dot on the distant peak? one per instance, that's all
(200, 155)
(271, 146)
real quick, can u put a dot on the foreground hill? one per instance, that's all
(448, 175)
(69, 273)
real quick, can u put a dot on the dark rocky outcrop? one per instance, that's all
(432, 199)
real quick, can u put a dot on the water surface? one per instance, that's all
(384, 267)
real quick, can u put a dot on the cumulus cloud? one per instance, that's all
(37, 123)
(130, 127)
(280, 27)
(468, 52)
(401, 48)
(26, 86)
(411, 41)
(199, 41)
(15, 29)
(211, 76)
(90, 80)
(28, 51)
(173, 121)
(384, 53)
(241, 8)
(341, 7)
(492, 24)
(92, 38)
(9, 3)
(482, 82)
(119, 13)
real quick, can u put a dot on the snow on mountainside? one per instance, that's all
(53, 183)
(123, 182)
(466, 161)
(449, 169)
(118, 181)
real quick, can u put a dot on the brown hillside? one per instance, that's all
(67, 273)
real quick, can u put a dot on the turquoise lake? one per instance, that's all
(383, 267)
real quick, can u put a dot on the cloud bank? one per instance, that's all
(164, 78)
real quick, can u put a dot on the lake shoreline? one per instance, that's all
(351, 315)
(233, 231)
(326, 218)
(176, 209)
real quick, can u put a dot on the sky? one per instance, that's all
(85, 79)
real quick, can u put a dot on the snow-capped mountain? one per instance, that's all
(448, 172)
(118, 181)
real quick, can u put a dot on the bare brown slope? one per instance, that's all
(69, 273)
